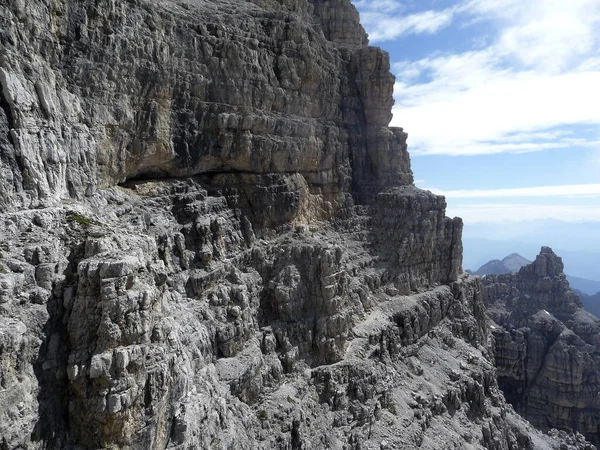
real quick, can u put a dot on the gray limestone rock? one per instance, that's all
(546, 346)
(94, 94)
(210, 239)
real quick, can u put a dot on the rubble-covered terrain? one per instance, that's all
(210, 238)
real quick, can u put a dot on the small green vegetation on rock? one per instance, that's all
(392, 408)
(262, 415)
(73, 217)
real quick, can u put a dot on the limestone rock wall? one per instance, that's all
(209, 238)
(164, 322)
(546, 347)
(95, 93)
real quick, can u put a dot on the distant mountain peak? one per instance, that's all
(514, 262)
(513, 255)
(509, 264)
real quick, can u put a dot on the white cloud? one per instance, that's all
(522, 93)
(494, 212)
(480, 112)
(386, 20)
(574, 190)
(545, 33)
(383, 6)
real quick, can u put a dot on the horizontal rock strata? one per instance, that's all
(97, 93)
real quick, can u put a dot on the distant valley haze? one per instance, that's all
(576, 243)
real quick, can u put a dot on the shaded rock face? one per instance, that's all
(546, 347)
(211, 240)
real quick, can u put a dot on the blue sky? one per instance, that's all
(501, 101)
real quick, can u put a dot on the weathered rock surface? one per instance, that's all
(97, 93)
(170, 324)
(211, 239)
(546, 347)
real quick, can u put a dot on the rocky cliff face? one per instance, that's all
(211, 240)
(98, 93)
(546, 347)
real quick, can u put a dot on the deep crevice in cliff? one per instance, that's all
(52, 427)
(4, 105)
(165, 177)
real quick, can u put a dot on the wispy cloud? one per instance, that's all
(547, 34)
(537, 77)
(475, 105)
(574, 190)
(386, 20)
(571, 203)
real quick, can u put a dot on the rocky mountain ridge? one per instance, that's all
(546, 346)
(514, 262)
(211, 239)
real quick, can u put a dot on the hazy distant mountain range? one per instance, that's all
(578, 244)
(511, 263)
(591, 303)
(587, 290)
(589, 287)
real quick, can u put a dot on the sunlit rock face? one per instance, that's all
(95, 94)
(546, 347)
(210, 239)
